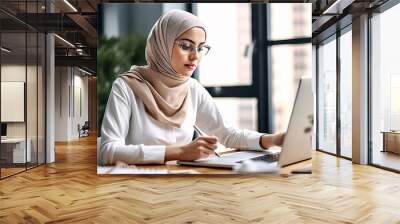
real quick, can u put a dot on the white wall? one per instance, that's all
(61, 103)
(33, 126)
(80, 83)
(12, 73)
(70, 83)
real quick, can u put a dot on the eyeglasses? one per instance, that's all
(189, 48)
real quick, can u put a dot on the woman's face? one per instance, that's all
(184, 61)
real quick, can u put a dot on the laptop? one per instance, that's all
(296, 146)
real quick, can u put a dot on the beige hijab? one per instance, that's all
(163, 91)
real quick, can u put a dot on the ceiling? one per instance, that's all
(328, 13)
(76, 22)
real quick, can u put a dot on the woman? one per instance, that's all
(152, 109)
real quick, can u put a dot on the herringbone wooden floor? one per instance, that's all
(70, 191)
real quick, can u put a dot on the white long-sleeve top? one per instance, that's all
(132, 136)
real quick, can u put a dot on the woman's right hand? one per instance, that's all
(199, 148)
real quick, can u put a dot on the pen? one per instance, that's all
(201, 133)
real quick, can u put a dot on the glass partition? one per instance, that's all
(22, 88)
(31, 97)
(14, 151)
(41, 109)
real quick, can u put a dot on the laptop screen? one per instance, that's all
(3, 129)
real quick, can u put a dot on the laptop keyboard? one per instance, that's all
(267, 158)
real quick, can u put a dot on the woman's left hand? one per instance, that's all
(270, 140)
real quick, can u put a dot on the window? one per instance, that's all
(290, 20)
(289, 64)
(346, 94)
(238, 112)
(385, 89)
(229, 64)
(327, 96)
(229, 60)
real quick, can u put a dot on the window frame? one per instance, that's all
(261, 87)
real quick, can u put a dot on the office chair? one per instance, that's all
(84, 130)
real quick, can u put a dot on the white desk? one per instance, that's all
(16, 147)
